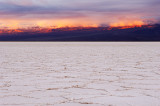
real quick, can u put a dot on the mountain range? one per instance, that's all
(143, 33)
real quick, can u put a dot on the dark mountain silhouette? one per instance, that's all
(144, 33)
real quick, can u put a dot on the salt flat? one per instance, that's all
(80, 74)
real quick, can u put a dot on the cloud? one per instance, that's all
(101, 11)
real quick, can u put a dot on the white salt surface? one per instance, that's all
(79, 74)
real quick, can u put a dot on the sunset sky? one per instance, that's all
(60, 13)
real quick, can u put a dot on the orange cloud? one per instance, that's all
(15, 24)
(127, 24)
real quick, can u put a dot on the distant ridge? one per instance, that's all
(144, 33)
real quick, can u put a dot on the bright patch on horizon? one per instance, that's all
(125, 24)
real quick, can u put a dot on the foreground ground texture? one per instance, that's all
(79, 74)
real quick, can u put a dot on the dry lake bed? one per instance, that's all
(80, 74)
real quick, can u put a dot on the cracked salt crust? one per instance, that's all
(80, 74)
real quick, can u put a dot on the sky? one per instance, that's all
(60, 13)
